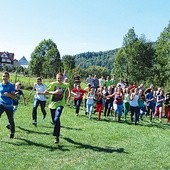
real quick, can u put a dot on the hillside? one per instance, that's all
(103, 59)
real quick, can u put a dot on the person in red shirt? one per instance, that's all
(78, 93)
(132, 86)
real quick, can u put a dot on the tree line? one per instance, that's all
(138, 60)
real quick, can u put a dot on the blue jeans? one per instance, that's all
(10, 116)
(77, 104)
(89, 109)
(55, 115)
(107, 108)
(34, 111)
(119, 110)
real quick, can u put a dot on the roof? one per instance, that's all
(10, 55)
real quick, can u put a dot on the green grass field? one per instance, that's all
(84, 144)
(25, 81)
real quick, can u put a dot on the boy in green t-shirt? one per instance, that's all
(57, 101)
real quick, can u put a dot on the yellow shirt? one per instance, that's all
(57, 99)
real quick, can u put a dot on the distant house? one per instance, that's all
(6, 59)
(23, 62)
(16, 63)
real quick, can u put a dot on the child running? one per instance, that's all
(90, 102)
(99, 102)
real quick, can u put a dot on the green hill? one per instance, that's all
(103, 59)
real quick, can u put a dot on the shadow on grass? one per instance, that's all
(47, 127)
(159, 125)
(95, 148)
(32, 131)
(70, 128)
(96, 118)
(147, 124)
(65, 127)
(27, 142)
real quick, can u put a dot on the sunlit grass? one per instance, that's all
(84, 144)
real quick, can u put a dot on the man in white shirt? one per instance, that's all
(39, 99)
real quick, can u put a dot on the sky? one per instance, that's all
(78, 26)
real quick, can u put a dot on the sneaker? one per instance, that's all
(8, 126)
(56, 140)
(106, 118)
(11, 135)
(44, 116)
(114, 118)
(136, 123)
(34, 123)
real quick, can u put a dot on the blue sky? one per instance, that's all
(78, 26)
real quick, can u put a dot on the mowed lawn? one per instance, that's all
(84, 144)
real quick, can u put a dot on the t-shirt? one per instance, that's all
(40, 88)
(101, 82)
(160, 103)
(77, 79)
(7, 102)
(148, 97)
(134, 102)
(108, 99)
(57, 99)
(79, 93)
(90, 99)
(108, 83)
(99, 98)
(118, 99)
(90, 81)
(126, 98)
(141, 101)
(18, 94)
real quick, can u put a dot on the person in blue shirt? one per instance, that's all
(7, 94)
(18, 93)
(150, 103)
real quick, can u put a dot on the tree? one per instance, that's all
(68, 63)
(135, 59)
(120, 64)
(45, 59)
(98, 71)
(163, 57)
(130, 37)
(52, 62)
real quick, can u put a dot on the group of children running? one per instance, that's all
(120, 100)
(111, 100)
